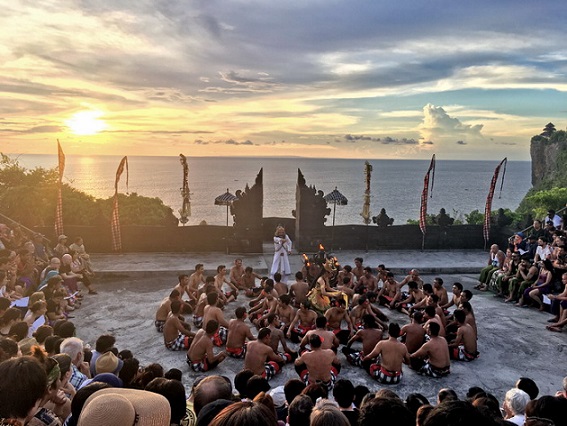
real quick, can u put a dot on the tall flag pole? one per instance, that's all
(366, 206)
(185, 210)
(488, 206)
(59, 207)
(429, 175)
(115, 220)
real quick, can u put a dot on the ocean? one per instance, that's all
(396, 185)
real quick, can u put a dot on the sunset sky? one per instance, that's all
(319, 78)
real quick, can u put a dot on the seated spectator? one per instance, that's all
(300, 411)
(385, 412)
(61, 248)
(327, 412)
(245, 413)
(174, 392)
(514, 406)
(22, 387)
(119, 407)
(343, 392)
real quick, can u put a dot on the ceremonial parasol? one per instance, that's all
(335, 197)
(226, 199)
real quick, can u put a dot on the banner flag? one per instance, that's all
(488, 206)
(115, 219)
(429, 175)
(59, 206)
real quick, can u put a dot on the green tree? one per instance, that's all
(30, 196)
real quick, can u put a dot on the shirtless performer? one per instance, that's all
(412, 276)
(367, 282)
(303, 321)
(328, 339)
(298, 290)
(363, 308)
(414, 333)
(419, 306)
(464, 347)
(164, 310)
(392, 353)
(390, 292)
(236, 272)
(238, 332)
(261, 358)
(346, 273)
(345, 287)
(200, 356)
(370, 335)
(201, 303)
(267, 287)
(318, 365)
(278, 336)
(414, 296)
(248, 282)
(195, 280)
(220, 281)
(285, 312)
(335, 317)
(456, 299)
(260, 312)
(440, 291)
(432, 359)
(280, 287)
(177, 334)
(358, 269)
(213, 312)
(182, 288)
(431, 317)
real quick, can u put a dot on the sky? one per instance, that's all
(367, 79)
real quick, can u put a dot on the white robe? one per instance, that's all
(282, 246)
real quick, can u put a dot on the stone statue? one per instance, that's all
(383, 220)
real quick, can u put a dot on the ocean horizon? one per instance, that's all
(460, 186)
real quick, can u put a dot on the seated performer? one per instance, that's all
(464, 347)
(318, 365)
(370, 335)
(200, 356)
(164, 310)
(177, 334)
(238, 332)
(335, 317)
(328, 339)
(303, 321)
(392, 353)
(320, 294)
(213, 312)
(260, 357)
(432, 359)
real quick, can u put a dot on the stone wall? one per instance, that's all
(212, 238)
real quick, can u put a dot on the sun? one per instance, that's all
(86, 123)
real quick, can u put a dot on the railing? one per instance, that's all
(28, 230)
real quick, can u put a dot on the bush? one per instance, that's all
(30, 197)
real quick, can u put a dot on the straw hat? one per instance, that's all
(125, 407)
(108, 363)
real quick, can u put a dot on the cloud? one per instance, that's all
(224, 142)
(354, 138)
(461, 143)
(435, 119)
(401, 141)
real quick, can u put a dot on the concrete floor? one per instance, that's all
(513, 342)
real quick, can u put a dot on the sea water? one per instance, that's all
(396, 185)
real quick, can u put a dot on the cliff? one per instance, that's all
(549, 159)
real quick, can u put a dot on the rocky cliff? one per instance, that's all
(549, 156)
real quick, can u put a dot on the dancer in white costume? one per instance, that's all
(282, 249)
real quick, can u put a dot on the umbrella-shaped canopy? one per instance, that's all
(225, 199)
(335, 197)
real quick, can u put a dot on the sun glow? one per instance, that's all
(86, 123)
